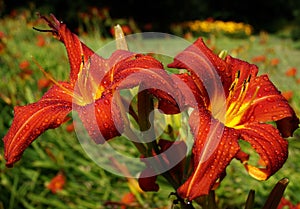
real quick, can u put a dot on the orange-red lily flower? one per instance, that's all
(90, 92)
(57, 183)
(250, 102)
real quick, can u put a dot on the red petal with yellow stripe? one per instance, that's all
(32, 120)
(214, 148)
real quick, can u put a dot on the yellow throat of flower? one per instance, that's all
(238, 105)
(86, 89)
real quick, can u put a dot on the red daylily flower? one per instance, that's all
(285, 203)
(90, 92)
(249, 102)
(274, 62)
(291, 72)
(57, 183)
(259, 58)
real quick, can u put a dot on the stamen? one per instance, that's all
(88, 88)
(86, 76)
(238, 107)
(70, 93)
(83, 76)
(249, 78)
(233, 85)
(240, 99)
(243, 109)
(82, 61)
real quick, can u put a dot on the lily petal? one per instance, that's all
(102, 119)
(209, 73)
(76, 50)
(149, 73)
(193, 96)
(215, 146)
(269, 105)
(233, 66)
(269, 144)
(203, 65)
(32, 120)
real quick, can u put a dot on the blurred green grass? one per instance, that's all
(87, 185)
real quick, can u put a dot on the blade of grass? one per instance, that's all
(14, 193)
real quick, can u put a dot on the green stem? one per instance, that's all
(127, 130)
(145, 107)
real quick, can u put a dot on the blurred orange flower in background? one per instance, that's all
(57, 183)
(274, 62)
(259, 58)
(291, 72)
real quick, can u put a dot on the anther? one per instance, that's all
(82, 59)
(249, 78)
(237, 74)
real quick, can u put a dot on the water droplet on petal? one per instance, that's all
(106, 101)
(265, 78)
(105, 125)
(37, 131)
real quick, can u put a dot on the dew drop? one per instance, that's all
(265, 78)
(105, 125)
(106, 101)
(37, 131)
